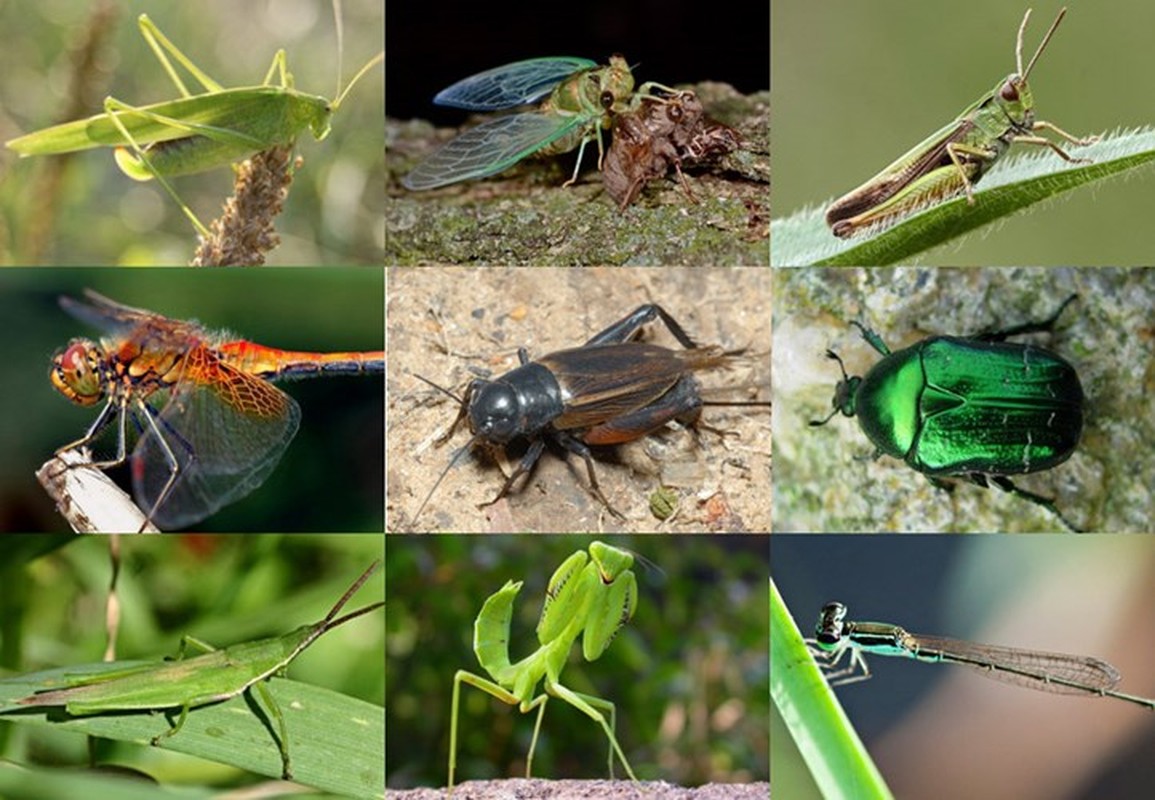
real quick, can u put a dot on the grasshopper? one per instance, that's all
(188, 683)
(954, 158)
(197, 132)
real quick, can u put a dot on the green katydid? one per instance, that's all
(951, 160)
(197, 132)
(590, 595)
(188, 683)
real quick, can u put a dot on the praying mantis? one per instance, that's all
(592, 595)
(207, 125)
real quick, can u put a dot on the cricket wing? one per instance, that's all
(912, 165)
(489, 148)
(607, 381)
(512, 84)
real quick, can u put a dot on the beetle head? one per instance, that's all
(844, 393)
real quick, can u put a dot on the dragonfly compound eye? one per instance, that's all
(74, 375)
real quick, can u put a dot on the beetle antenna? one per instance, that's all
(814, 423)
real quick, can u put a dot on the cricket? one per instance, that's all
(582, 100)
(952, 160)
(199, 131)
(590, 595)
(188, 683)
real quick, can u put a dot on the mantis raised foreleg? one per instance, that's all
(594, 594)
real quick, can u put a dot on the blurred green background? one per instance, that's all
(689, 673)
(334, 208)
(221, 589)
(331, 478)
(857, 84)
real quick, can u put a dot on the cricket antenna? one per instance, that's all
(452, 462)
(441, 389)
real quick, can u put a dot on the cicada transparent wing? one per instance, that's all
(511, 85)
(489, 148)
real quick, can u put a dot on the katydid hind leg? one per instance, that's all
(144, 159)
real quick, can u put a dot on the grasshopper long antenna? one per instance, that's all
(329, 622)
(1042, 44)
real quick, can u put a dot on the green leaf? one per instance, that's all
(335, 741)
(29, 783)
(821, 730)
(1014, 184)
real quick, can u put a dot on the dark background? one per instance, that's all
(430, 46)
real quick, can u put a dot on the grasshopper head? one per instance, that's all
(1015, 99)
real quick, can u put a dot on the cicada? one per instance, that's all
(582, 101)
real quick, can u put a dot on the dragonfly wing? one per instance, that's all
(489, 148)
(511, 85)
(226, 430)
(108, 315)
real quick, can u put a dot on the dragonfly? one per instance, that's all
(210, 424)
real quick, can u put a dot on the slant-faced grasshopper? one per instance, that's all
(953, 159)
(197, 132)
(591, 596)
(188, 683)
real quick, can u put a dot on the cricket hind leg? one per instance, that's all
(579, 447)
(628, 327)
(682, 403)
